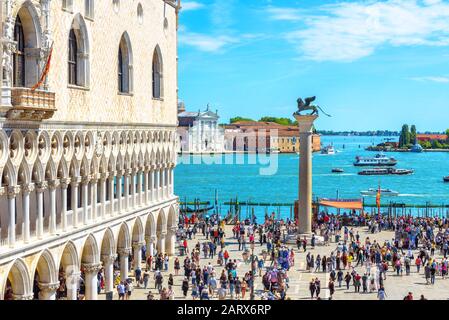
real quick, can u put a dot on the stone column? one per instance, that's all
(85, 197)
(23, 296)
(145, 187)
(64, 186)
(305, 173)
(171, 241)
(12, 194)
(40, 188)
(72, 282)
(91, 280)
(108, 263)
(133, 189)
(74, 185)
(137, 254)
(151, 185)
(26, 191)
(119, 192)
(111, 194)
(103, 195)
(156, 185)
(139, 189)
(150, 242)
(52, 185)
(48, 291)
(160, 189)
(93, 198)
(126, 190)
(123, 256)
(161, 242)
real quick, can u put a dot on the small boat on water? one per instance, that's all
(385, 171)
(379, 160)
(446, 179)
(329, 150)
(383, 192)
(416, 148)
(337, 170)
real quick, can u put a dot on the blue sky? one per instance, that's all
(371, 64)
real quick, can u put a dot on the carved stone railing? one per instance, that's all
(31, 105)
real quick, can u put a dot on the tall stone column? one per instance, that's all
(12, 194)
(108, 263)
(48, 291)
(64, 186)
(85, 197)
(72, 283)
(305, 173)
(26, 191)
(40, 188)
(170, 246)
(93, 199)
(111, 194)
(126, 190)
(145, 187)
(119, 192)
(151, 184)
(137, 247)
(139, 189)
(103, 195)
(75, 185)
(52, 185)
(133, 189)
(91, 280)
(124, 256)
(161, 242)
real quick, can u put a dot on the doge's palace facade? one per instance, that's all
(87, 158)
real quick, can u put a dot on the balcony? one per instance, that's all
(31, 105)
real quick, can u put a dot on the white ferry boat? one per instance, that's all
(383, 192)
(328, 150)
(379, 160)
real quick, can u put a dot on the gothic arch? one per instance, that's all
(124, 238)
(125, 64)
(90, 253)
(46, 268)
(19, 277)
(83, 48)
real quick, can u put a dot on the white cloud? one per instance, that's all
(206, 43)
(438, 79)
(283, 14)
(191, 5)
(348, 31)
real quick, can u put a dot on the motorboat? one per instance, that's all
(329, 150)
(446, 179)
(379, 160)
(385, 171)
(383, 192)
(337, 170)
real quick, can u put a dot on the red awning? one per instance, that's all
(351, 204)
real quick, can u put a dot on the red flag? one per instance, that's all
(45, 71)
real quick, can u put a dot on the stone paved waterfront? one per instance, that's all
(396, 287)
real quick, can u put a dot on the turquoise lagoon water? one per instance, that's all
(195, 177)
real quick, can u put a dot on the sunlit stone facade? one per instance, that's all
(86, 159)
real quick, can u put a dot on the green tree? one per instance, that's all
(238, 118)
(404, 138)
(425, 144)
(436, 144)
(413, 134)
(447, 133)
(281, 121)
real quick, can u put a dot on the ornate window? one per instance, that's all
(116, 5)
(89, 8)
(73, 61)
(78, 53)
(67, 5)
(157, 74)
(124, 67)
(140, 13)
(19, 55)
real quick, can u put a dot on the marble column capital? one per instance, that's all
(28, 188)
(85, 180)
(23, 296)
(65, 183)
(173, 229)
(138, 245)
(48, 287)
(103, 176)
(124, 251)
(109, 259)
(13, 192)
(92, 267)
(75, 182)
(161, 235)
(41, 186)
(119, 173)
(150, 239)
(53, 184)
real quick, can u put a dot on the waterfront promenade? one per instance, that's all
(396, 287)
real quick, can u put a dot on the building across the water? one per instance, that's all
(87, 142)
(199, 132)
(256, 136)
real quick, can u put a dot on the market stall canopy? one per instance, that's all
(349, 204)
